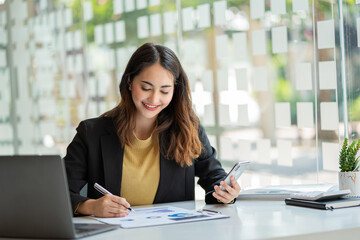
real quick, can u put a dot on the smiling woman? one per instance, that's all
(149, 148)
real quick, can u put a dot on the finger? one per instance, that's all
(227, 187)
(235, 184)
(222, 193)
(120, 201)
(221, 198)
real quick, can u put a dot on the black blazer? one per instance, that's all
(95, 155)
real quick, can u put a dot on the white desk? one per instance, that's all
(251, 220)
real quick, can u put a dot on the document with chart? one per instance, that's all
(154, 216)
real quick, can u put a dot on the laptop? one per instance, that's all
(35, 201)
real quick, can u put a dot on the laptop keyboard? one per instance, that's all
(83, 229)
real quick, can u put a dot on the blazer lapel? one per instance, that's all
(112, 154)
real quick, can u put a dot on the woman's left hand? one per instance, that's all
(230, 193)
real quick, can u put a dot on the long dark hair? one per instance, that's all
(177, 124)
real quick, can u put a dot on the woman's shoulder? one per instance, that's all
(98, 124)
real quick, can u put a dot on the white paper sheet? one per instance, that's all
(300, 5)
(243, 115)
(282, 114)
(204, 15)
(326, 34)
(155, 216)
(219, 13)
(241, 79)
(329, 116)
(155, 24)
(207, 81)
(305, 114)
(88, 11)
(303, 76)
(279, 39)
(120, 31)
(109, 33)
(143, 27)
(284, 153)
(222, 80)
(260, 79)
(129, 5)
(330, 156)
(240, 45)
(99, 34)
(258, 42)
(226, 148)
(141, 4)
(278, 6)
(118, 6)
(257, 9)
(187, 19)
(221, 46)
(243, 151)
(263, 148)
(169, 22)
(327, 75)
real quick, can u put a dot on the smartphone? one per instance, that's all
(236, 171)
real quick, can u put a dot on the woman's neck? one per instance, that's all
(144, 128)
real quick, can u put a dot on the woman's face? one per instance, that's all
(152, 91)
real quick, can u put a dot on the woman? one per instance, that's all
(149, 148)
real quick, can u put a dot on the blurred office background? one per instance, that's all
(275, 82)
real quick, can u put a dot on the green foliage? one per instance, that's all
(347, 159)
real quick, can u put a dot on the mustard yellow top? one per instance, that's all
(141, 171)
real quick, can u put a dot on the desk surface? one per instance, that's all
(250, 220)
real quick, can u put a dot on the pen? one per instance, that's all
(102, 190)
(209, 210)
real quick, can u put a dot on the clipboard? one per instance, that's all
(164, 215)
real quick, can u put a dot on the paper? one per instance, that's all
(329, 116)
(258, 42)
(326, 34)
(169, 22)
(244, 150)
(154, 2)
(263, 148)
(120, 31)
(305, 114)
(222, 80)
(240, 45)
(260, 79)
(219, 13)
(155, 24)
(141, 4)
(303, 76)
(282, 115)
(327, 75)
(154, 216)
(257, 9)
(278, 6)
(300, 5)
(226, 148)
(88, 11)
(243, 115)
(129, 5)
(99, 34)
(143, 27)
(109, 33)
(204, 15)
(118, 6)
(279, 39)
(284, 153)
(358, 31)
(330, 156)
(241, 79)
(221, 45)
(207, 81)
(187, 19)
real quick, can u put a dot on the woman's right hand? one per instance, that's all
(106, 206)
